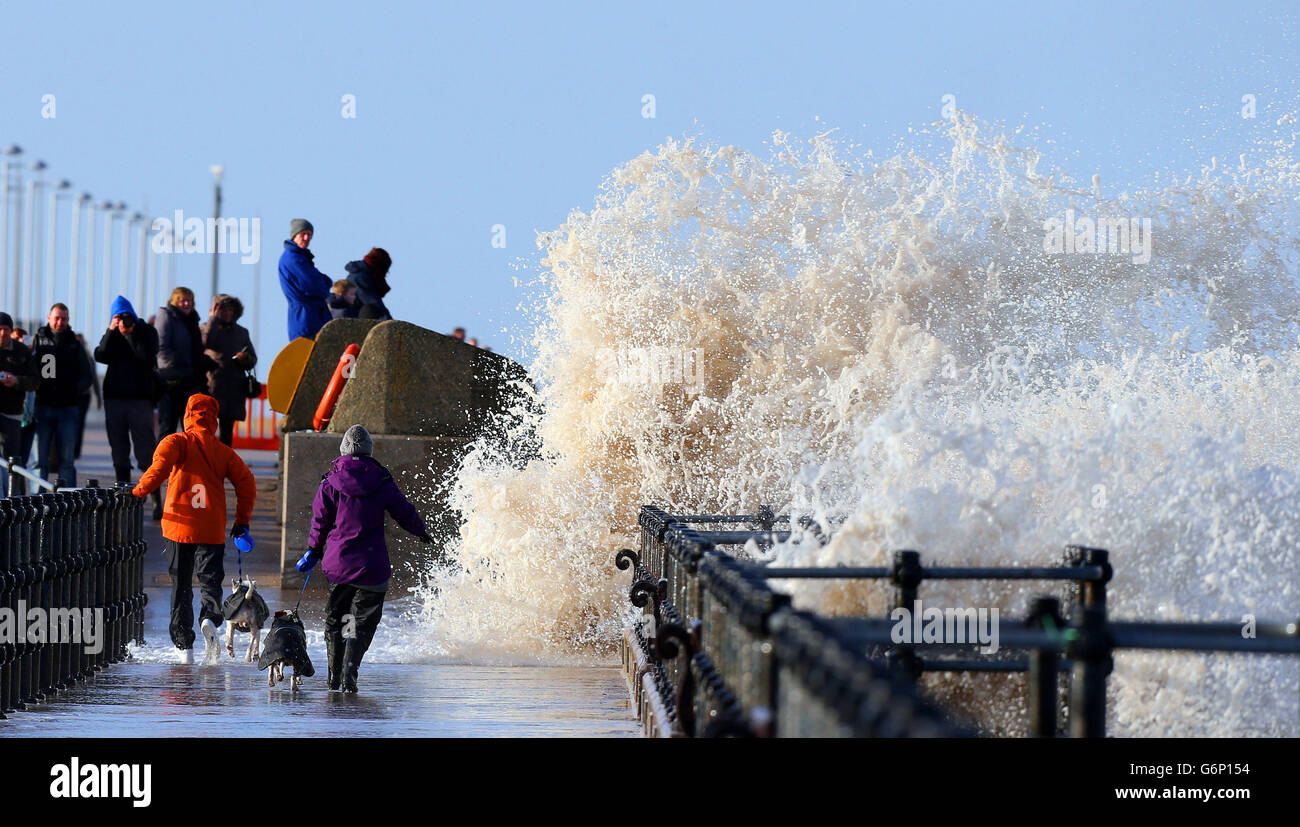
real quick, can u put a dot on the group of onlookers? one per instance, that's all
(314, 300)
(459, 335)
(153, 365)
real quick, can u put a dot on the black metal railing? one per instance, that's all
(742, 660)
(72, 579)
(16, 476)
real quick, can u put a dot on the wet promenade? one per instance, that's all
(152, 696)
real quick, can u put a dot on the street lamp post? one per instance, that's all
(51, 239)
(27, 304)
(110, 213)
(74, 254)
(24, 305)
(15, 274)
(8, 154)
(152, 276)
(124, 278)
(141, 270)
(92, 229)
(217, 172)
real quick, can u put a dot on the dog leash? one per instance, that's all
(305, 581)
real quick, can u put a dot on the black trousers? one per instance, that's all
(226, 429)
(171, 407)
(11, 438)
(83, 407)
(352, 613)
(129, 421)
(184, 561)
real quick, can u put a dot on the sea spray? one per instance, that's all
(892, 343)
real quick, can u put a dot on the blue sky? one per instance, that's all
(470, 116)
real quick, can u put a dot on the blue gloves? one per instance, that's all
(308, 561)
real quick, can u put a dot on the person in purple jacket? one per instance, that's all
(347, 533)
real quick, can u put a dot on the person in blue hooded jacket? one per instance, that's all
(130, 349)
(305, 287)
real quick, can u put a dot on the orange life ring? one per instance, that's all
(332, 391)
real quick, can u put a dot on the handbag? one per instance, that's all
(252, 387)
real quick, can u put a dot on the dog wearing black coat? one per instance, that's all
(286, 645)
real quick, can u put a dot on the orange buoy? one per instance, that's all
(342, 373)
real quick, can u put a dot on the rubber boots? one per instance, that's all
(351, 663)
(334, 651)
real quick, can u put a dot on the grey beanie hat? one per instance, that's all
(298, 225)
(356, 441)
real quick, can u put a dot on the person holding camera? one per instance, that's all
(130, 350)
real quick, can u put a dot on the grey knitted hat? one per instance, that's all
(356, 441)
(298, 225)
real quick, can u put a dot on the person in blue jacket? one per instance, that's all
(305, 287)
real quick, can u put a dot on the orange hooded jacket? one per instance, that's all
(196, 464)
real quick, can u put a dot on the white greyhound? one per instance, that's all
(246, 611)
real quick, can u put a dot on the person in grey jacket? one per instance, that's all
(182, 365)
(228, 345)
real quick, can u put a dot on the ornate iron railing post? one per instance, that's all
(1044, 668)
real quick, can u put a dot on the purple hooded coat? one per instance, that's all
(347, 520)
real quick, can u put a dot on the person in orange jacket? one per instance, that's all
(196, 465)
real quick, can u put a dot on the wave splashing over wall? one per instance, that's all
(902, 344)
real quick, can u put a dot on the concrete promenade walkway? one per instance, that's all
(152, 696)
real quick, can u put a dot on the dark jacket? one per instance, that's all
(131, 362)
(340, 309)
(347, 520)
(61, 364)
(180, 348)
(306, 289)
(227, 380)
(17, 359)
(371, 289)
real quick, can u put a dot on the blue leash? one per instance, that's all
(305, 581)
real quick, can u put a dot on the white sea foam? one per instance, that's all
(889, 340)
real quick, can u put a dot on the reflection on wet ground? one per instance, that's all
(396, 700)
(153, 696)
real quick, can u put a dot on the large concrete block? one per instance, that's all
(331, 341)
(422, 466)
(409, 380)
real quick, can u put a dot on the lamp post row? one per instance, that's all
(29, 282)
